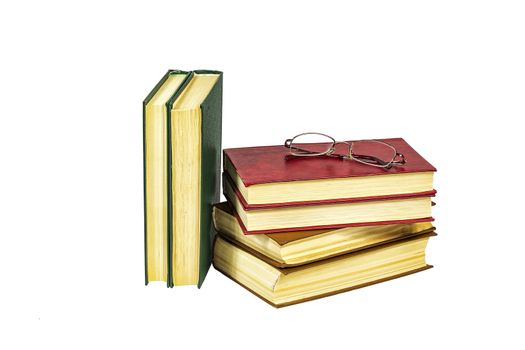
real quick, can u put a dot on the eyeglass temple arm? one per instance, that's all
(378, 161)
(370, 158)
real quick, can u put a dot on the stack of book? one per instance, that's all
(293, 230)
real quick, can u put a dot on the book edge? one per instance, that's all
(427, 232)
(246, 206)
(144, 103)
(322, 227)
(320, 296)
(169, 196)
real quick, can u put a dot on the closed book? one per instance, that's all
(286, 286)
(288, 249)
(188, 177)
(265, 218)
(269, 175)
(155, 153)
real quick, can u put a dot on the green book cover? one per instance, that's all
(210, 171)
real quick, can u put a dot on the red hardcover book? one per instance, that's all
(238, 204)
(323, 227)
(252, 169)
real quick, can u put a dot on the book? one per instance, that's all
(268, 175)
(256, 219)
(190, 184)
(155, 144)
(286, 286)
(288, 249)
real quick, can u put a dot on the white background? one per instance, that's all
(448, 76)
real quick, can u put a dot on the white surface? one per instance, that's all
(448, 77)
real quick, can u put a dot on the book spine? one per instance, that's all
(211, 134)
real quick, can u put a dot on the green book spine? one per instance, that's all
(211, 139)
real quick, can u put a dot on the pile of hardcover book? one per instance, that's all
(299, 228)
(303, 220)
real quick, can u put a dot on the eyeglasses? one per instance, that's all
(370, 152)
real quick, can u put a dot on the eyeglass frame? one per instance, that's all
(350, 156)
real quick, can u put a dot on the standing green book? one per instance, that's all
(182, 149)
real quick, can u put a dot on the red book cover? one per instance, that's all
(267, 164)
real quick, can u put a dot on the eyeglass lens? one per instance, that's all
(311, 144)
(373, 152)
